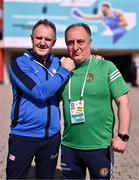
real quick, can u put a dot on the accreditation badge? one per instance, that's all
(77, 112)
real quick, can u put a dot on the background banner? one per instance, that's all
(108, 31)
(1, 19)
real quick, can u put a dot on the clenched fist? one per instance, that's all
(118, 145)
(67, 63)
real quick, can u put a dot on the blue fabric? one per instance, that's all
(35, 104)
(113, 23)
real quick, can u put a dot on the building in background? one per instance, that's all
(21, 15)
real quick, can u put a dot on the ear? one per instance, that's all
(54, 42)
(31, 37)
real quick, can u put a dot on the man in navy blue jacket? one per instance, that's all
(36, 76)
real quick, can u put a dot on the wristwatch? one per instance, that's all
(123, 137)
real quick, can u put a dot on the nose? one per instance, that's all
(75, 45)
(42, 42)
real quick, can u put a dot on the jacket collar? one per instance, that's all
(32, 56)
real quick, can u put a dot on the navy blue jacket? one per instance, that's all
(35, 109)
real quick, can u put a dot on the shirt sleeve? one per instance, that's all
(118, 86)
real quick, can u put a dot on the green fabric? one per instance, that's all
(107, 84)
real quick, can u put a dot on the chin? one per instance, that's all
(77, 58)
(42, 54)
(78, 61)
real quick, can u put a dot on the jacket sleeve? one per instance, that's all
(23, 77)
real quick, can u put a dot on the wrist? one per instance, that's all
(123, 136)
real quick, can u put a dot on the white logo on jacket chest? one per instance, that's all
(54, 71)
(36, 71)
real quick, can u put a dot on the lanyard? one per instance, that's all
(82, 92)
(40, 65)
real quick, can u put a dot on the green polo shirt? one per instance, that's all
(104, 83)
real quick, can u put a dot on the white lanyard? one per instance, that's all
(40, 65)
(82, 92)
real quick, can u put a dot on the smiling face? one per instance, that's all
(43, 39)
(78, 44)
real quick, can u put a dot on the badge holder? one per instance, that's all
(77, 112)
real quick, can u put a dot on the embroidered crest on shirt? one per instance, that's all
(90, 77)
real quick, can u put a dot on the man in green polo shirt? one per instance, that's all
(88, 138)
